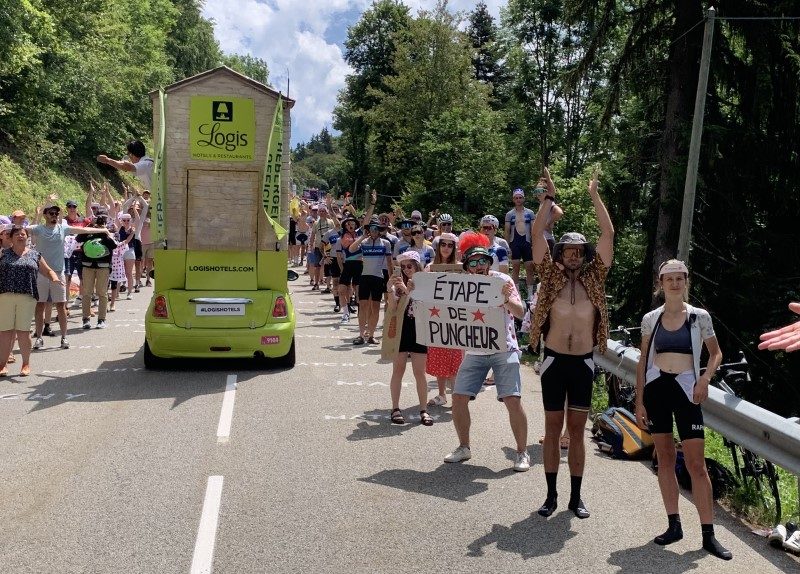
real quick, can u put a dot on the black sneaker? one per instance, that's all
(47, 331)
(351, 308)
(86, 324)
(336, 308)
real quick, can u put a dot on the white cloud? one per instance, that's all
(290, 35)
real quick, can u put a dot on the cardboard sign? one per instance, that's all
(459, 289)
(222, 128)
(469, 328)
(460, 311)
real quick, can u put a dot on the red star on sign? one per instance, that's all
(478, 316)
(434, 312)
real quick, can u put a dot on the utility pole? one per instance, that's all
(690, 185)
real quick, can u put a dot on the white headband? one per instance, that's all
(673, 267)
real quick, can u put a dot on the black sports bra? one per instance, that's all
(679, 341)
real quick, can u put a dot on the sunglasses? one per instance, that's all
(473, 263)
(408, 266)
(374, 228)
(447, 224)
(416, 233)
(52, 212)
(449, 244)
(487, 227)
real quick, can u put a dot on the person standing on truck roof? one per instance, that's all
(137, 162)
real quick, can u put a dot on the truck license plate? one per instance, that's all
(219, 309)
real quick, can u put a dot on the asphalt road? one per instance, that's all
(107, 467)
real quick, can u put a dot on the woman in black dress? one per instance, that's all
(400, 285)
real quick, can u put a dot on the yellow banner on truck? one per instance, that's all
(271, 189)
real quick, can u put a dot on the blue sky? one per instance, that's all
(304, 40)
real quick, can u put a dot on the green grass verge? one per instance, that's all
(25, 188)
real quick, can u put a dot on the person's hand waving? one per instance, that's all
(784, 339)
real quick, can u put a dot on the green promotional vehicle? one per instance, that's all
(221, 185)
(214, 321)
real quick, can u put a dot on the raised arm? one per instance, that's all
(373, 199)
(605, 243)
(121, 165)
(540, 246)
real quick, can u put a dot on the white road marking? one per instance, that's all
(226, 416)
(203, 559)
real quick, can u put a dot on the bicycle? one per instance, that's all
(622, 393)
(753, 469)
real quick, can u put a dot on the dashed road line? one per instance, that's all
(226, 416)
(203, 558)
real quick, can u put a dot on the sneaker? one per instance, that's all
(101, 324)
(792, 543)
(148, 283)
(461, 453)
(537, 367)
(128, 297)
(346, 318)
(136, 288)
(523, 462)
(86, 324)
(48, 332)
(336, 308)
(777, 537)
(122, 288)
(38, 343)
(326, 291)
(64, 343)
(351, 308)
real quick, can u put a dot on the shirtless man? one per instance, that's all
(571, 314)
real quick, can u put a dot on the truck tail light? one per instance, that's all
(279, 310)
(160, 308)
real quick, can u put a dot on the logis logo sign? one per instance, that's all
(222, 129)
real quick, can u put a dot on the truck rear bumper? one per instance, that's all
(170, 342)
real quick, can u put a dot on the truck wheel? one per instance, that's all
(150, 360)
(288, 359)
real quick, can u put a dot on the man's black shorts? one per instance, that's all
(566, 378)
(302, 237)
(521, 249)
(332, 268)
(351, 274)
(371, 287)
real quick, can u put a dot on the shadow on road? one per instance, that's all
(378, 423)
(126, 379)
(531, 537)
(454, 482)
(652, 558)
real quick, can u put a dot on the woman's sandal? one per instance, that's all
(425, 418)
(397, 417)
(25, 371)
(11, 359)
(437, 401)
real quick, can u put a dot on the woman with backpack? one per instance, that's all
(669, 387)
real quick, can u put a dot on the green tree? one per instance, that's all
(369, 50)
(191, 45)
(249, 65)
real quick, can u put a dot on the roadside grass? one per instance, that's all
(25, 188)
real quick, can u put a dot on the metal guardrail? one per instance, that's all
(763, 432)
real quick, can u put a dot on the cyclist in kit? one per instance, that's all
(519, 223)
(669, 384)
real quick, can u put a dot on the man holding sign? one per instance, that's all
(572, 316)
(486, 348)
